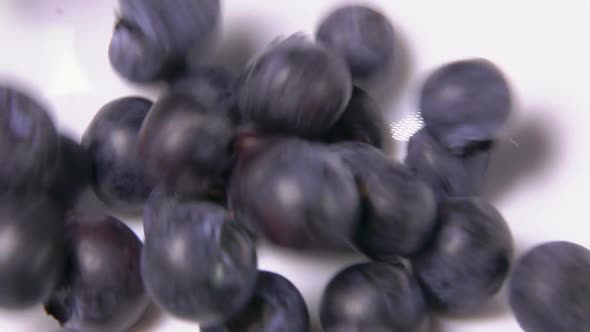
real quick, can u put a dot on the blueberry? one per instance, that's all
(374, 297)
(399, 210)
(275, 306)
(186, 146)
(464, 103)
(28, 143)
(362, 35)
(361, 121)
(469, 257)
(120, 177)
(196, 265)
(299, 195)
(213, 87)
(449, 175)
(550, 288)
(74, 173)
(101, 288)
(31, 240)
(294, 87)
(153, 39)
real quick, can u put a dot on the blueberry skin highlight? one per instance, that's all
(295, 87)
(299, 195)
(28, 143)
(31, 236)
(101, 287)
(468, 259)
(120, 177)
(464, 103)
(449, 175)
(199, 267)
(153, 39)
(275, 306)
(364, 37)
(550, 288)
(374, 297)
(186, 146)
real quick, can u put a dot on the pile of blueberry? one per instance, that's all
(288, 151)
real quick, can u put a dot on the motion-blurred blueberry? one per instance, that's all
(375, 297)
(196, 265)
(468, 259)
(550, 288)
(275, 306)
(362, 35)
(465, 102)
(101, 287)
(120, 176)
(294, 87)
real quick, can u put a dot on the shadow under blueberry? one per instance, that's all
(236, 46)
(528, 150)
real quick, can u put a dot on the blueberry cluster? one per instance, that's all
(291, 151)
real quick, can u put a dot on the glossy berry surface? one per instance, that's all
(295, 87)
(298, 194)
(74, 172)
(550, 288)
(464, 103)
(275, 306)
(213, 87)
(120, 177)
(152, 39)
(31, 257)
(399, 210)
(361, 121)
(374, 297)
(196, 265)
(469, 257)
(28, 143)
(362, 36)
(185, 145)
(101, 287)
(449, 175)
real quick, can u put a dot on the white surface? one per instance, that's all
(539, 174)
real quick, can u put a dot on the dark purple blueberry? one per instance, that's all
(196, 264)
(374, 297)
(275, 306)
(74, 173)
(28, 143)
(449, 175)
(399, 210)
(294, 87)
(31, 249)
(550, 288)
(361, 121)
(469, 257)
(298, 194)
(101, 288)
(464, 103)
(153, 39)
(362, 35)
(120, 177)
(185, 146)
(213, 87)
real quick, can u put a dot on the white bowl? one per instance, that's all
(538, 176)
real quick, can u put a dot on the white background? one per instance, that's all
(538, 179)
